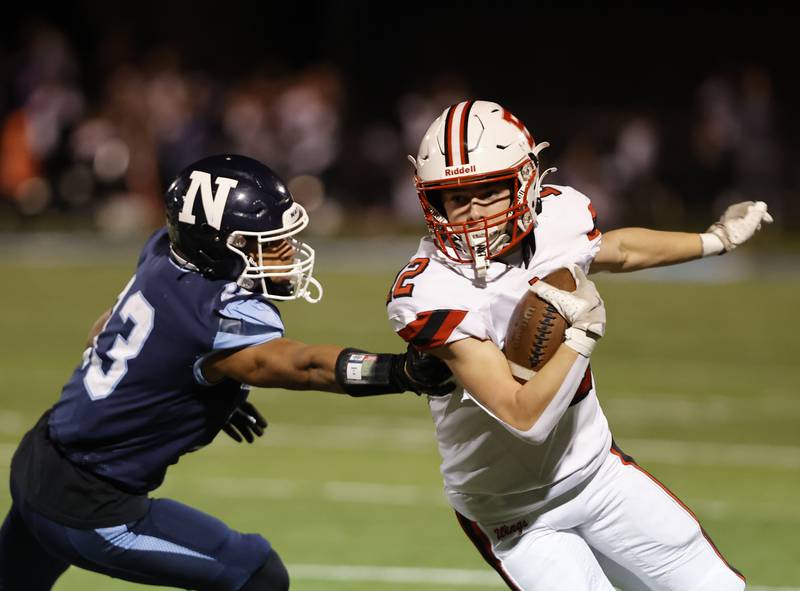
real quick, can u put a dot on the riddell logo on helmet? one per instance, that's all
(455, 170)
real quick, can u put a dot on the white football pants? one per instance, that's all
(623, 529)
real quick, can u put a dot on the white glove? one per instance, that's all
(583, 309)
(736, 226)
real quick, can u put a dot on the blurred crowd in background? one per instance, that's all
(100, 157)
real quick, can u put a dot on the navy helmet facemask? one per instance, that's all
(223, 214)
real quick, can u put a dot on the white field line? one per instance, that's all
(333, 491)
(395, 574)
(683, 409)
(412, 439)
(419, 439)
(377, 493)
(709, 366)
(12, 422)
(409, 575)
(416, 439)
(713, 454)
(6, 451)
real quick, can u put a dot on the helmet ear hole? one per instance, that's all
(237, 241)
(434, 198)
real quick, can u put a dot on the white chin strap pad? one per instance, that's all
(477, 242)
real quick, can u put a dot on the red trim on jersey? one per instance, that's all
(484, 546)
(629, 461)
(595, 230)
(391, 287)
(547, 191)
(584, 387)
(413, 328)
(432, 328)
(451, 321)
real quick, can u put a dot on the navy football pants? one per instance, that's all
(173, 545)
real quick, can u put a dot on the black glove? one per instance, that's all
(423, 373)
(245, 422)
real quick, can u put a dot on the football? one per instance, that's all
(536, 329)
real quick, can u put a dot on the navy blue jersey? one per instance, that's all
(138, 400)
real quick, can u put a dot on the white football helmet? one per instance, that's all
(470, 144)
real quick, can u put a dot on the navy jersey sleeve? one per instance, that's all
(243, 322)
(149, 247)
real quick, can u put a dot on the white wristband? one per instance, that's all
(579, 341)
(712, 244)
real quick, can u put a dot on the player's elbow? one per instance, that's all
(614, 255)
(525, 423)
(519, 421)
(534, 432)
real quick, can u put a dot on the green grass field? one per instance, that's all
(699, 382)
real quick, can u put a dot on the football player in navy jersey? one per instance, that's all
(166, 369)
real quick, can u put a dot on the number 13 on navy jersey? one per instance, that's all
(108, 361)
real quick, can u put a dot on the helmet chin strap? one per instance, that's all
(477, 242)
(307, 293)
(310, 292)
(481, 249)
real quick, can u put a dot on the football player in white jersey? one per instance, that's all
(531, 470)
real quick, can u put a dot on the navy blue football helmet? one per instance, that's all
(221, 213)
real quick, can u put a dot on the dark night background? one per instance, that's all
(574, 72)
(620, 54)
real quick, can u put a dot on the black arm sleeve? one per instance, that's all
(360, 373)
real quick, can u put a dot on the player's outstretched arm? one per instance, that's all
(631, 249)
(532, 410)
(283, 363)
(280, 363)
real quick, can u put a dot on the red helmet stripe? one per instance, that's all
(518, 124)
(448, 125)
(464, 139)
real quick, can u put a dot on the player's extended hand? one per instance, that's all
(423, 373)
(245, 422)
(739, 222)
(583, 310)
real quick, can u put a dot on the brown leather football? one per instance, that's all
(536, 329)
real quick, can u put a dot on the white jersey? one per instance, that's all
(489, 471)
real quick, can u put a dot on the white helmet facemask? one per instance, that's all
(284, 281)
